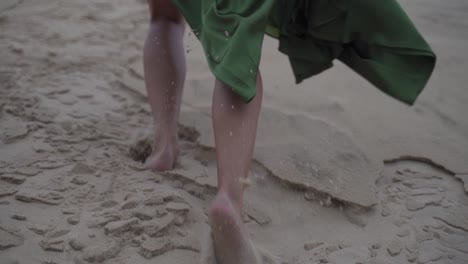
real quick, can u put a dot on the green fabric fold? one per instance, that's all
(375, 39)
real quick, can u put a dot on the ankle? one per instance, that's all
(223, 201)
(165, 137)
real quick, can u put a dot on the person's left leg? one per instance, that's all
(235, 127)
(165, 69)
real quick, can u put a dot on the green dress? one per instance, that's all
(374, 38)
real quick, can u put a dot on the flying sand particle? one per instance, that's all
(245, 181)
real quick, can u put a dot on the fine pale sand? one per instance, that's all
(342, 173)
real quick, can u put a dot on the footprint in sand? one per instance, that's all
(427, 207)
(141, 149)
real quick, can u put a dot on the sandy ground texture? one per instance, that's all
(342, 173)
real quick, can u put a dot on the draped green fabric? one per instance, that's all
(374, 38)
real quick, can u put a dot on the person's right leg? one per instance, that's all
(164, 67)
(235, 127)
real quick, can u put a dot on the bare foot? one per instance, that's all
(231, 241)
(164, 155)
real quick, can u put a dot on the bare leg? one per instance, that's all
(235, 127)
(164, 65)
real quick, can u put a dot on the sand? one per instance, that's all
(341, 172)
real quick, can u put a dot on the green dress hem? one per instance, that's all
(375, 39)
